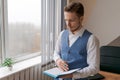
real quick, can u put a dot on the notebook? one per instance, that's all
(56, 72)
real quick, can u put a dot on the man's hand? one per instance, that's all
(62, 65)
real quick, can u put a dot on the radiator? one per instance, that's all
(33, 73)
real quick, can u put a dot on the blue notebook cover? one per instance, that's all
(56, 72)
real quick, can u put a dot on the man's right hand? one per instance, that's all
(62, 64)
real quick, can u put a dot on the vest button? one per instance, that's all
(68, 52)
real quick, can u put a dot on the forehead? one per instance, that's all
(70, 15)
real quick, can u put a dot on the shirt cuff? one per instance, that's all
(55, 59)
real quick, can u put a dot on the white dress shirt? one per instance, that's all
(93, 56)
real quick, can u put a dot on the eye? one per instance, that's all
(72, 20)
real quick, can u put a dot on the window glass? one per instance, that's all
(24, 25)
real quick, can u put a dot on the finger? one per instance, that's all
(62, 64)
(65, 67)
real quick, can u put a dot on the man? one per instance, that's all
(76, 47)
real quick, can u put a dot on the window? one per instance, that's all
(24, 24)
(21, 25)
(29, 28)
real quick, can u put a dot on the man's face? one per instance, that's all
(73, 22)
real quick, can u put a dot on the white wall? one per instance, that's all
(102, 17)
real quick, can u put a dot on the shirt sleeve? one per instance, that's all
(57, 48)
(93, 59)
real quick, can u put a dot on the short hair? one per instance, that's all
(76, 7)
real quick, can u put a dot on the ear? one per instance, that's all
(81, 18)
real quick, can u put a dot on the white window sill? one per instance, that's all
(4, 71)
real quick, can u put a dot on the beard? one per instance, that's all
(72, 29)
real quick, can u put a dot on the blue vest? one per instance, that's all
(76, 55)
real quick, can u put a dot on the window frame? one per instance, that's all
(2, 28)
